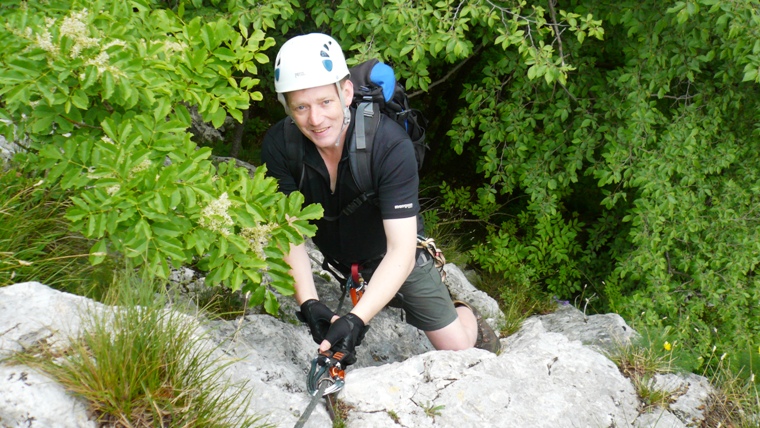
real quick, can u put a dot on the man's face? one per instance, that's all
(318, 113)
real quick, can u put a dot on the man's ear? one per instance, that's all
(348, 92)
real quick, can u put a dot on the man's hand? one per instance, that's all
(318, 317)
(344, 336)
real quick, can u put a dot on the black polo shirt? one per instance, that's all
(360, 236)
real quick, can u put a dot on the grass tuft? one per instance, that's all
(736, 403)
(640, 364)
(140, 364)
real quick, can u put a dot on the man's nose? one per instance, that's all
(314, 116)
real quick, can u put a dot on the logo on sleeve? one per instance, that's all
(403, 207)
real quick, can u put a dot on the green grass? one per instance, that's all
(35, 241)
(640, 364)
(431, 410)
(516, 301)
(139, 364)
(735, 403)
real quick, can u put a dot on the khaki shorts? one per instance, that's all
(425, 298)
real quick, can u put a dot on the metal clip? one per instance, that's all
(356, 284)
(329, 371)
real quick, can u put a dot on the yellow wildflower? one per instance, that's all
(667, 346)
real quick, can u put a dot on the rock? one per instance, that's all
(31, 399)
(689, 392)
(659, 418)
(551, 373)
(31, 312)
(605, 332)
(7, 150)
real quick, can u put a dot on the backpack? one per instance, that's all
(375, 92)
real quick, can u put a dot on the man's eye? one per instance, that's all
(301, 108)
(325, 102)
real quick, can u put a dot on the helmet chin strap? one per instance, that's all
(346, 121)
(346, 114)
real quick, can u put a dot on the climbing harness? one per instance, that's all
(428, 244)
(325, 379)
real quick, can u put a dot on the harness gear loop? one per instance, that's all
(428, 244)
(356, 283)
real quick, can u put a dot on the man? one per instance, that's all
(311, 80)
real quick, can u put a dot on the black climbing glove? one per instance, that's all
(345, 334)
(317, 316)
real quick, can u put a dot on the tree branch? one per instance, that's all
(555, 26)
(449, 74)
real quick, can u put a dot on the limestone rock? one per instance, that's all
(551, 373)
(30, 399)
(605, 332)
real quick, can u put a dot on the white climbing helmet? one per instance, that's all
(308, 61)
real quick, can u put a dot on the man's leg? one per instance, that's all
(429, 307)
(460, 334)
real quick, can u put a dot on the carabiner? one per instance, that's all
(329, 371)
(356, 284)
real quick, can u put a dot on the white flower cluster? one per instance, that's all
(174, 47)
(45, 42)
(75, 27)
(215, 216)
(142, 166)
(258, 237)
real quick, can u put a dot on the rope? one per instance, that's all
(312, 404)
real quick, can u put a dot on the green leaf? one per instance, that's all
(225, 54)
(167, 229)
(236, 280)
(98, 252)
(79, 99)
(109, 85)
(172, 248)
(218, 117)
(270, 304)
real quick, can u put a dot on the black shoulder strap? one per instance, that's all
(360, 153)
(360, 148)
(294, 151)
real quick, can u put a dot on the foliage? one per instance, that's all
(35, 241)
(98, 92)
(517, 300)
(220, 302)
(623, 138)
(600, 147)
(140, 364)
